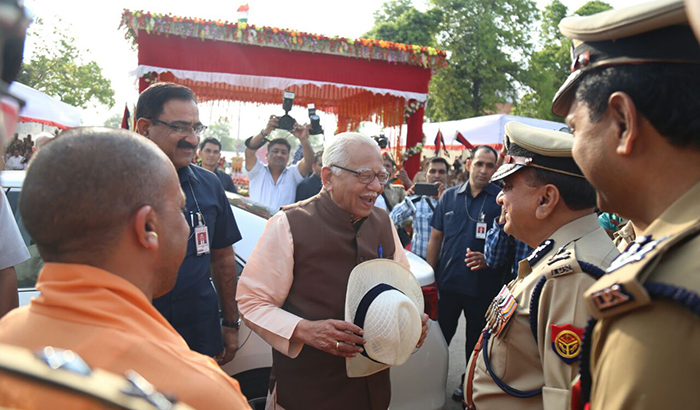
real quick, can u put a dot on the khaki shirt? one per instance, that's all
(646, 354)
(515, 357)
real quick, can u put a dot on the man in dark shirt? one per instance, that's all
(460, 222)
(210, 153)
(167, 114)
(312, 184)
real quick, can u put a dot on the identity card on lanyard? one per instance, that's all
(481, 227)
(201, 232)
(201, 235)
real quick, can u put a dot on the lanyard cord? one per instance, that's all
(466, 207)
(202, 221)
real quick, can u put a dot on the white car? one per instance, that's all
(419, 384)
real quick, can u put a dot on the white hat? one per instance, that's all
(386, 301)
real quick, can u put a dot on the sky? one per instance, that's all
(95, 24)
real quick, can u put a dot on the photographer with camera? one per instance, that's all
(274, 185)
(392, 194)
(421, 204)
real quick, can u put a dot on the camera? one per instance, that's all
(316, 128)
(382, 141)
(286, 122)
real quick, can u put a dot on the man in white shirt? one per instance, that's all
(15, 162)
(274, 185)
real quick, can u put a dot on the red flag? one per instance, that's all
(125, 118)
(243, 8)
(444, 145)
(438, 140)
(464, 141)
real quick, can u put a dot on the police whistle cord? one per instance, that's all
(535, 305)
(500, 383)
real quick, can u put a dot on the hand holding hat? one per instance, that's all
(385, 299)
(335, 337)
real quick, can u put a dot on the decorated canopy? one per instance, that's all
(358, 80)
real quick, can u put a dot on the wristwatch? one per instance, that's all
(234, 325)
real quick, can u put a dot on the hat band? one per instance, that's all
(558, 171)
(674, 44)
(363, 307)
(559, 165)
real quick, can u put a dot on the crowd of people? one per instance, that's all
(558, 315)
(20, 151)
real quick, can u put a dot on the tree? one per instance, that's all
(56, 67)
(221, 130)
(549, 67)
(488, 41)
(400, 22)
(115, 121)
(593, 7)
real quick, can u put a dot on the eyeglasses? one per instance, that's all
(366, 176)
(197, 129)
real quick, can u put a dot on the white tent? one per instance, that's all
(488, 129)
(44, 109)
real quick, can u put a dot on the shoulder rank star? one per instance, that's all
(567, 342)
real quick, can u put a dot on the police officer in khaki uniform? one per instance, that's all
(632, 104)
(530, 348)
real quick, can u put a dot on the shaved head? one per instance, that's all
(81, 190)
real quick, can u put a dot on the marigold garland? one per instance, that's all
(427, 57)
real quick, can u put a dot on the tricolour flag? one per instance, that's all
(243, 13)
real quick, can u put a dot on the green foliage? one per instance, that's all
(392, 10)
(115, 121)
(221, 130)
(56, 68)
(551, 17)
(400, 22)
(549, 67)
(593, 7)
(489, 40)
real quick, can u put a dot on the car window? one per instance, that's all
(27, 271)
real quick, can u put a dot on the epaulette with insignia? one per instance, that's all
(539, 252)
(622, 289)
(560, 264)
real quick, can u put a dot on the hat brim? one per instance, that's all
(561, 104)
(505, 170)
(364, 277)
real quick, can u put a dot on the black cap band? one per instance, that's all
(562, 165)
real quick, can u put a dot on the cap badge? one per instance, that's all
(580, 61)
